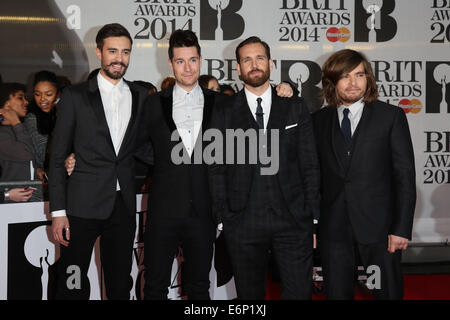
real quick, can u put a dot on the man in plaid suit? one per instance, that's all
(267, 206)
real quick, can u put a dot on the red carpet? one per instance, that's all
(417, 287)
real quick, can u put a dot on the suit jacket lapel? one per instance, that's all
(95, 100)
(243, 116)
(167, 108)
(335, 133)
(278, 114)
(131, 123)
(360, 132)
(208, 104)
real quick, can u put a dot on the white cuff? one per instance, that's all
(315, 221)
(220, 226)
(59, 213)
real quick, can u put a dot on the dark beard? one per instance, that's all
(115, 75)
(256, 81)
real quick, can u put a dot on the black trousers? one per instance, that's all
(116, 248)
(339, 252)
(161, 241)
(250, 237)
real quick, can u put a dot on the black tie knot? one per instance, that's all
(259, 109)
(346, 126)
(259, 113)
(346, 112)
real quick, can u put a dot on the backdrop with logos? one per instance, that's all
(407, 42)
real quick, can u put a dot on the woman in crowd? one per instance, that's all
(16, 147)
(167, 82)
(41, 118)
(209, 82)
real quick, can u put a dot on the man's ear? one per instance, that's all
(271, 64)
(238, 69)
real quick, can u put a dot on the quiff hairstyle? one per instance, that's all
(111, 30)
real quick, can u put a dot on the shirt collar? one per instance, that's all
(179, 93)
(266, 96)
(107, 86)
(354, 108)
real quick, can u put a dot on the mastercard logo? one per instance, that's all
(413, 105)
(334, 34)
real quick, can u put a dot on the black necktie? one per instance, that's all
(259, 114)
(345, 127)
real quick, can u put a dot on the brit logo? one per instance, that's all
(438, 91)
(219, 20)
(374, 21)
(306, 75)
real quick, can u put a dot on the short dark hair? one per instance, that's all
(46, 76)
(147, 85)
(224, 87)
(183, 38)
(111, 30)
(8, 89)
(204, 80)
(340, 63)
(251, 40)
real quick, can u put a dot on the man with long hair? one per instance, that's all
(368, 190)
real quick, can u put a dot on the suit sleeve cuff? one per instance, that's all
(58, 213)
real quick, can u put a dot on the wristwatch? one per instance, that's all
(7, 198)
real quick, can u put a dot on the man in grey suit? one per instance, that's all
(97, 121)
(267, 208)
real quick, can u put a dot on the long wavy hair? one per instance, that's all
(340, 63)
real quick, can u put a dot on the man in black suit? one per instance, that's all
(368, 190)
(97, 121)
(179, 209)
(267, 206)
(179, 205)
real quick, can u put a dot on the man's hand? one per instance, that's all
(20, 194)
(58, 225)
(314, 241)
(70, 163)
(284, 90)
(11, 117)
(396, 243)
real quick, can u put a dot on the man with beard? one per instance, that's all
(267, 212)
(368, 189)
(97, 121)
(179, 206)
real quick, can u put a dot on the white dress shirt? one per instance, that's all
(116, 100)
(266, 104)
(187, 113)
(354, 115)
